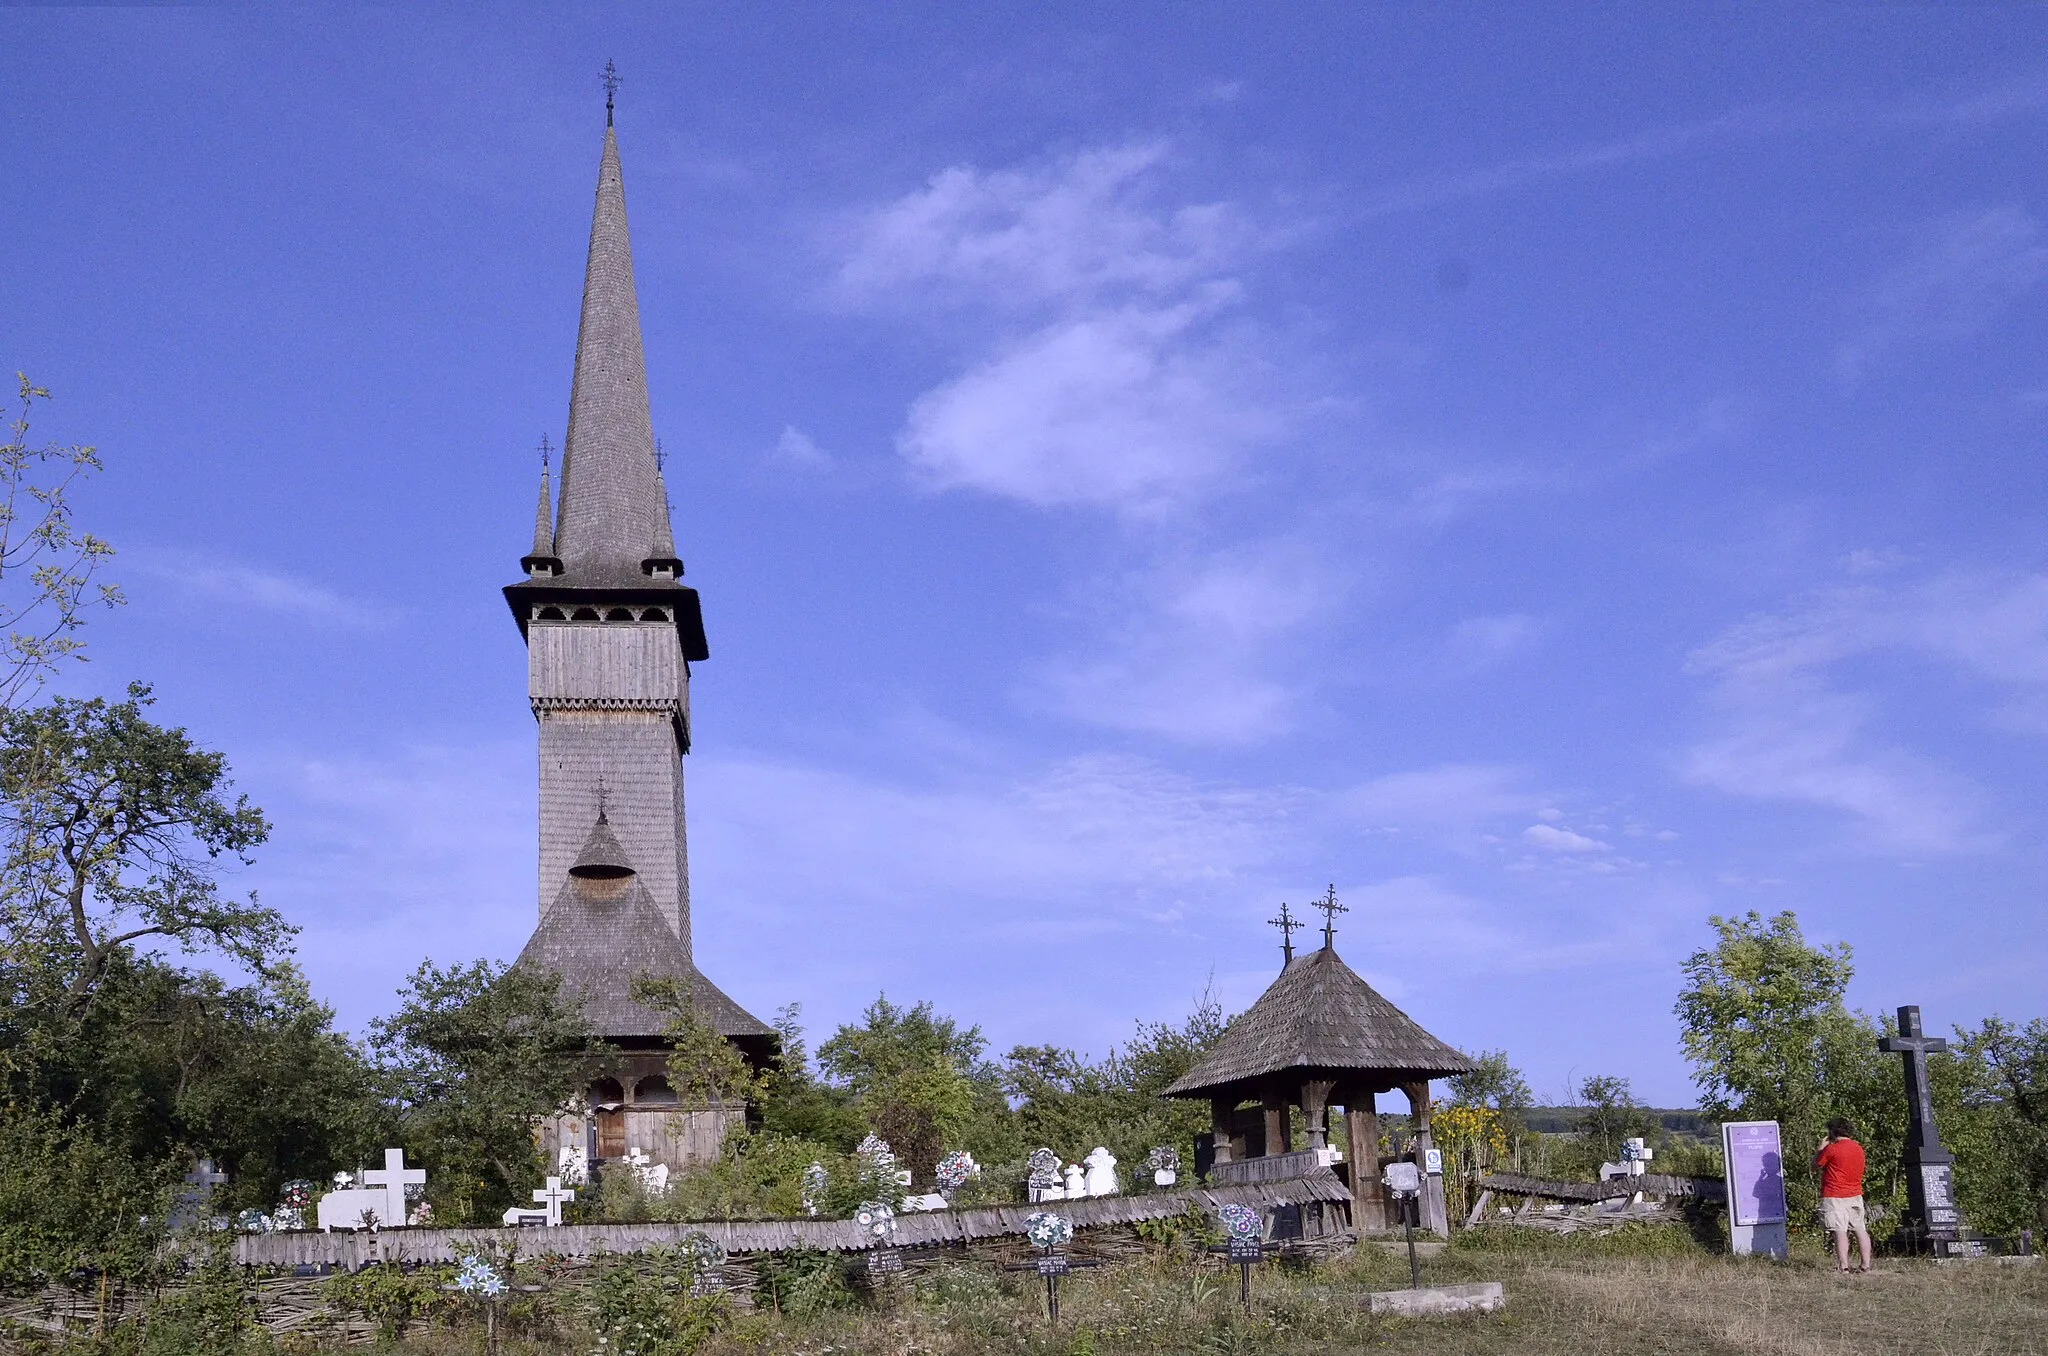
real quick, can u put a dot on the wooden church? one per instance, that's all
(611, 631)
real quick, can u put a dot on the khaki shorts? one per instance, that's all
(1841, 1214)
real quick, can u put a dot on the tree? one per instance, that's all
(473, 1057)
(920, 1079)
(1484, 1120)
(796, 1103)
(115, 829)
(1610, 1114)
(2000, 1130)
(46, 564)
(704, 1068)
(1762, 1020)
(1067, 1101)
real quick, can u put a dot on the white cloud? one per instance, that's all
(1551, 838)
(1139, 409)
(1975, 267)
(1082, 229)
(797, 450)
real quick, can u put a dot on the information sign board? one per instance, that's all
(1756, 1172)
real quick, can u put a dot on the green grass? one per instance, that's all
(1644, 1291)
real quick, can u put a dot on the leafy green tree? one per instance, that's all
(473, 1057)
(1763, 1023)
(69, 1201)
(1999, 1127)
(704, 1068)
(1609, 1114)
(46, 564)
(1492, 1082)
(921, 1082)
(115, 830)
(170, 1065)
(798, 1104)
(1071, 1104)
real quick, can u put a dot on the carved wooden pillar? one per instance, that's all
(1315, 1109)
(1435, 1215)
(1219, 1125)
(1368, 1195)
(1279, 1126)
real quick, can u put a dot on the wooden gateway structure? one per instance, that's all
(1319, 1038)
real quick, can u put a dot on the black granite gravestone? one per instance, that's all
(1932, 1221)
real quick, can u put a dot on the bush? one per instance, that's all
(653, 1304)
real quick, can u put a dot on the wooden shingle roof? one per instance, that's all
(601, 935)
(1319, 1019)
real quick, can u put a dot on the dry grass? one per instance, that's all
(1562, 1302)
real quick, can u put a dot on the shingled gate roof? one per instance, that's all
(1319, 1017)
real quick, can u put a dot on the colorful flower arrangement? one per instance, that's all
(254, 1222)
(293, 1201)
(1241, 1223)
(1045, 1168)
(876, 1219)
(1047, 1230)
(480, 1278)
(956, 1169)
(701, 1253)
(1163, 1158)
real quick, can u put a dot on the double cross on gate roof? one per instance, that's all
(1288, 925)
(1331, 908)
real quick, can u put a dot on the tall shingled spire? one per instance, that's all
(611, 490)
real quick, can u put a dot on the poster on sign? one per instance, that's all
(1755, 1164)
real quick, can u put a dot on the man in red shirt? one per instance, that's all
(1840, 1164)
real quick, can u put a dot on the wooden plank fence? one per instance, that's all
(353, 1250)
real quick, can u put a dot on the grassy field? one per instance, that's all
(1574, 1300)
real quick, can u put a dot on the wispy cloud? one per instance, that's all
(1114, 366)
(1972, 268)
(250, 587)
(1199, 645)
(1793, 725)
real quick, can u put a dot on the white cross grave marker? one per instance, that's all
(551, 1197)
(394, 1177)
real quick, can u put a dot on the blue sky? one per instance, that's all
(1555, 473)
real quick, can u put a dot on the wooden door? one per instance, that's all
(611, 1134)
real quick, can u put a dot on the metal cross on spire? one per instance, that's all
(603, 794)
(1331, 908)
(545, 450)
(1288, 925)
(611, 87)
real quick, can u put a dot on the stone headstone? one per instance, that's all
(1100, 1179)
(1077, 1182)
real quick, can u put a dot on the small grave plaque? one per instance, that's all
(885, 1261)
(1053, 1264)
(1246, 1249)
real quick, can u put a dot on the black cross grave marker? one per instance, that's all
(1931, 1212)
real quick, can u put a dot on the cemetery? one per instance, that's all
(596, 1148)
